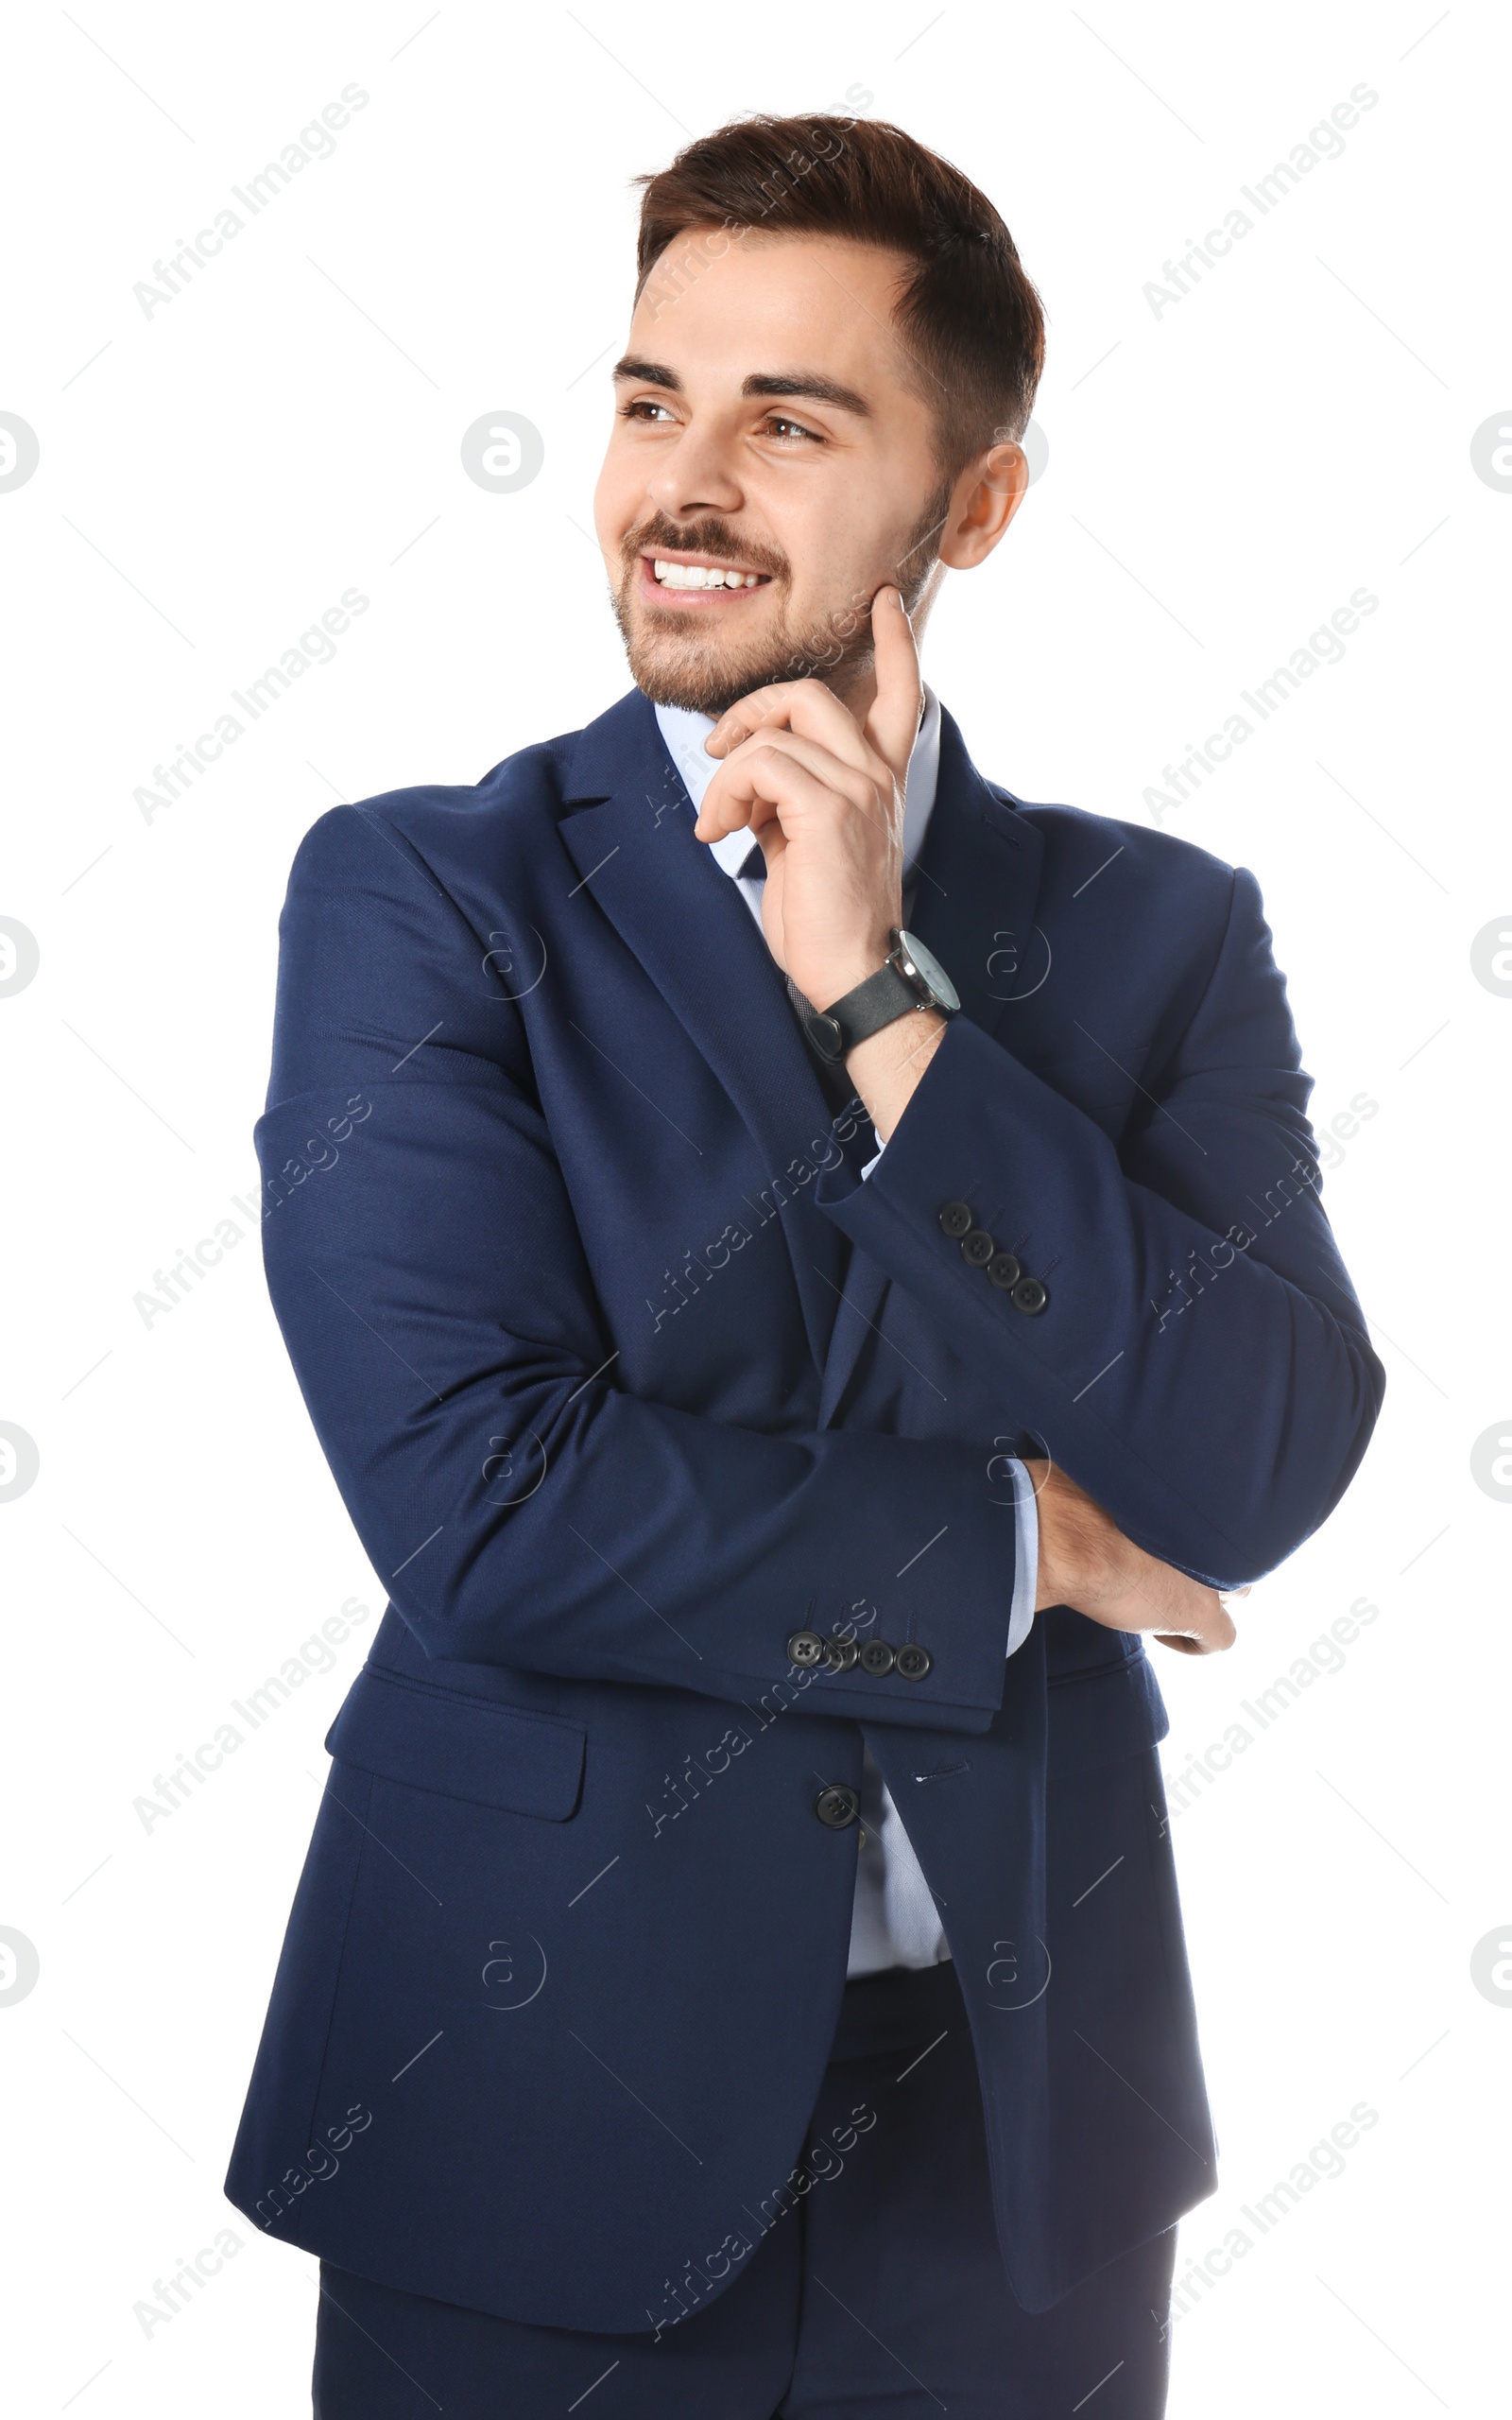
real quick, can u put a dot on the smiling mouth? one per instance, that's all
(697, 580)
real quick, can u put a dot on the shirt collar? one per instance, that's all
(685, 731)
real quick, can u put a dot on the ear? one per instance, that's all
(983, 502)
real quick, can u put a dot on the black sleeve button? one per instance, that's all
(977, 1248)
(1030, 1295)
(837, 1807)
(1004, 1271)
(956, 1218)
(914, 1661)
(806, 1646)
(876, 1656)
(840, 1654)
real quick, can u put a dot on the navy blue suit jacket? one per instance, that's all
(625, 1376)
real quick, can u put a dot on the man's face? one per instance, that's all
(766, 424)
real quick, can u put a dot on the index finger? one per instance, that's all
(892, 726)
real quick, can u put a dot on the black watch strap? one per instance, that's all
(864, 1011)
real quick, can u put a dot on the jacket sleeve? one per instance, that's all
(428, 1277)
(1201, 1366)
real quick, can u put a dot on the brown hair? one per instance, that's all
(967, 316)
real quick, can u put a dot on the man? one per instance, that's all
(796, 1260)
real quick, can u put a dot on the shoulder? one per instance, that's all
(445, 828)
(398, 911)
(1080, 848)
(1173, 927)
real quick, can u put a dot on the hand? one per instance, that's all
(1086, 1563)
(824, 795)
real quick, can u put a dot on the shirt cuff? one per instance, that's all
(1026, 1558)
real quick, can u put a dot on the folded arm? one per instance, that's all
(1200, 1366)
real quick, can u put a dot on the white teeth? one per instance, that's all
(695, 576)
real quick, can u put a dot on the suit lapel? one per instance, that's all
(974, 904)
(630, 836)
(978, 880)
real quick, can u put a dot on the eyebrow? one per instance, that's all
(781, 384)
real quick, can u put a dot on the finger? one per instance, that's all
(809, 707)
(750, 713)
(733, 781)
(719, 816)
(1209, 1636)
(1181, 1602)
(892, 726)
(1184, 1608)
(769, 782)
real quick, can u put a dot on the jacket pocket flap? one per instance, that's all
(1098, 1717)
(459, 1747)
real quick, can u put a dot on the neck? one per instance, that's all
(858, 695)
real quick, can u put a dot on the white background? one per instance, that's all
(1221, 476)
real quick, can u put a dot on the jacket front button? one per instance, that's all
(956, 1217)
(914, 1661)
(806, 1646)
(837, 1807)
(977, 1248)
(1030, 1295)
(876, 1656)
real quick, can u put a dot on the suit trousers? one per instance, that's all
(878, 2289)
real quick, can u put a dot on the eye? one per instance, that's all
(780, 421)
(639, 404)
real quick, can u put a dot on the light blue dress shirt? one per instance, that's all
(894, 1920)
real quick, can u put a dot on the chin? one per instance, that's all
(707, 680)
(676, 668)
(700, 689)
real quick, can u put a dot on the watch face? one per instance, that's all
(926, 964)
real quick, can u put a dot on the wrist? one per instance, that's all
(910, 979)
(843, 974)
(889, 1066)
(1084, 1561)
(896, 1044)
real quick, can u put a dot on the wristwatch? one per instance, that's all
(913, 977)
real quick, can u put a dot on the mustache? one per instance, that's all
(709, 536)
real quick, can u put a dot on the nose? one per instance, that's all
(696, 476)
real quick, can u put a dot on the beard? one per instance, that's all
(677, 662)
